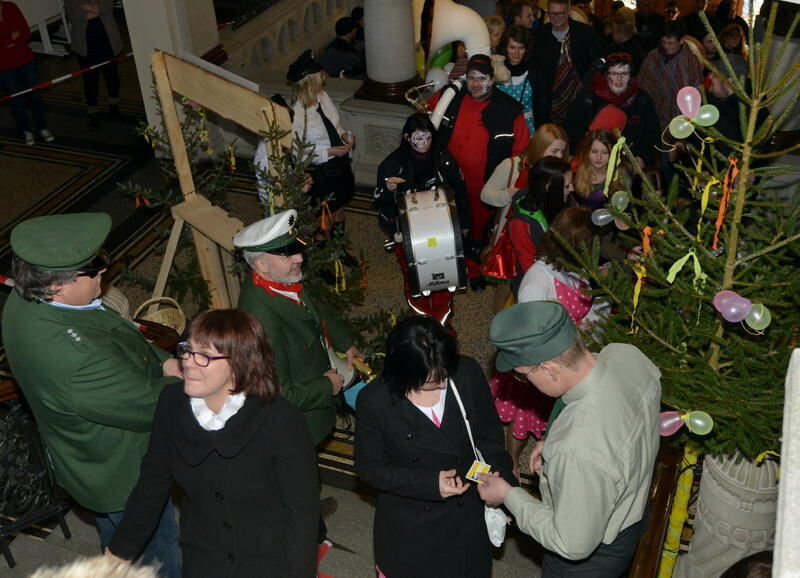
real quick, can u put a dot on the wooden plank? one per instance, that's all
(233, 279)
(210, 220)
(234, 102)
(169, 257)
(211, 270)
(662, 489)
(173, 124)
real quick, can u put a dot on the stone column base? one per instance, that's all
(394, 92)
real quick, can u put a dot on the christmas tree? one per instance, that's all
(715, 299)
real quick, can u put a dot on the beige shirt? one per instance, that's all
(598, 457)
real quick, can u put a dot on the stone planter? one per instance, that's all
(736, 509)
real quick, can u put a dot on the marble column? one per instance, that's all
(389, 39)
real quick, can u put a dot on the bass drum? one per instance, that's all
(432, 241)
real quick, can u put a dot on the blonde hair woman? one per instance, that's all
(318, 128)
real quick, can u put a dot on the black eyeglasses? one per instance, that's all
(200, 359)
(95, 266)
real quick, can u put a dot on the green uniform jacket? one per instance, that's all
(301, 360)
(92, 382)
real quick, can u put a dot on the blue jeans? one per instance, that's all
(18, 79)
(163, 546)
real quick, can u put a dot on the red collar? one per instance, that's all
(275, 289)
(624, 100)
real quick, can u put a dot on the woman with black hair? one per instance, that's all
(537, 205)
(419, 164)
(412, 446)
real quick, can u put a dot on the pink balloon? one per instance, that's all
(735, 309)
(689, 101)
(669, 422)
(721, 297)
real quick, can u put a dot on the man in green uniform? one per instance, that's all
(596, 462)
(298, 326)
(89, 376)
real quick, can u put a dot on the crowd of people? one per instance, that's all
(233, 418)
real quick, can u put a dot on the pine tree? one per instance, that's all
(728, 369)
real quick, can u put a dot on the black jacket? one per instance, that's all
(400, 452)
(251, 490)
(584, 49)
(498, 117)
(443, 170)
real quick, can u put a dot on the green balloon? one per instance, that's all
(680, 127)
(699, 422)
(708, 115)
(620, 200)
(759, 317)
(442, 56)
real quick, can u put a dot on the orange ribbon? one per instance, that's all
(727, 188)
(326, 220)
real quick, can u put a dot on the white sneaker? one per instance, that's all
(29, 140)
(46, 135)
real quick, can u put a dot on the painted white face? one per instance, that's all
(420, 140)
(479, 85)
(619, 77)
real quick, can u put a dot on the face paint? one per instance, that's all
(421, 140)
(479, 85)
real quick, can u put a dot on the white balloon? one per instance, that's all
(437, 76)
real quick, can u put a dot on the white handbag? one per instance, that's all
(496, 520)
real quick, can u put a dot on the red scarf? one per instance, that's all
(600, 88)
(273, 287)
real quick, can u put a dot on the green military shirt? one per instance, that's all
(295, 331)
(92, 382)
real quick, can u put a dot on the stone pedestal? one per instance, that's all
(736, 509)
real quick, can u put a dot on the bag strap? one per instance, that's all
(478, 455)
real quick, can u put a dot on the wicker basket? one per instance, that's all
(169, 313)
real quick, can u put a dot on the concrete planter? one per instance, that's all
(736, 509)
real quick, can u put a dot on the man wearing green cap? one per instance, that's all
(597, 459)
(91, 379)
(299, 327)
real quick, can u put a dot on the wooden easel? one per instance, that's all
(212, 228)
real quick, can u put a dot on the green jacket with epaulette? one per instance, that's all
(295, 331)
(92, 381)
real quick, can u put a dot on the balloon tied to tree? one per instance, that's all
(714, 300)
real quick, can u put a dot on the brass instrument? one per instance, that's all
(417, 101)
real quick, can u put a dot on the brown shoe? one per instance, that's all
(328, 506)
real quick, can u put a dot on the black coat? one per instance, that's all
(251, 490)
(443, 170)
(400, 452)
(585, 48)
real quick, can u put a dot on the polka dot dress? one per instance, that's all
(519, 403)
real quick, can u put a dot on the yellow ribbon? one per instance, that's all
(763, 455)
(641, 273)
(700, 278)
(613, 163)
(704, 202)
(678, 514)
(340, 285)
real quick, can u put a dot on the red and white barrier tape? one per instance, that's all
(7, 281)
(75, 74)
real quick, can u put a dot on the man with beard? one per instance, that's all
(299, 327)
(481, 127)
(615, 87)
